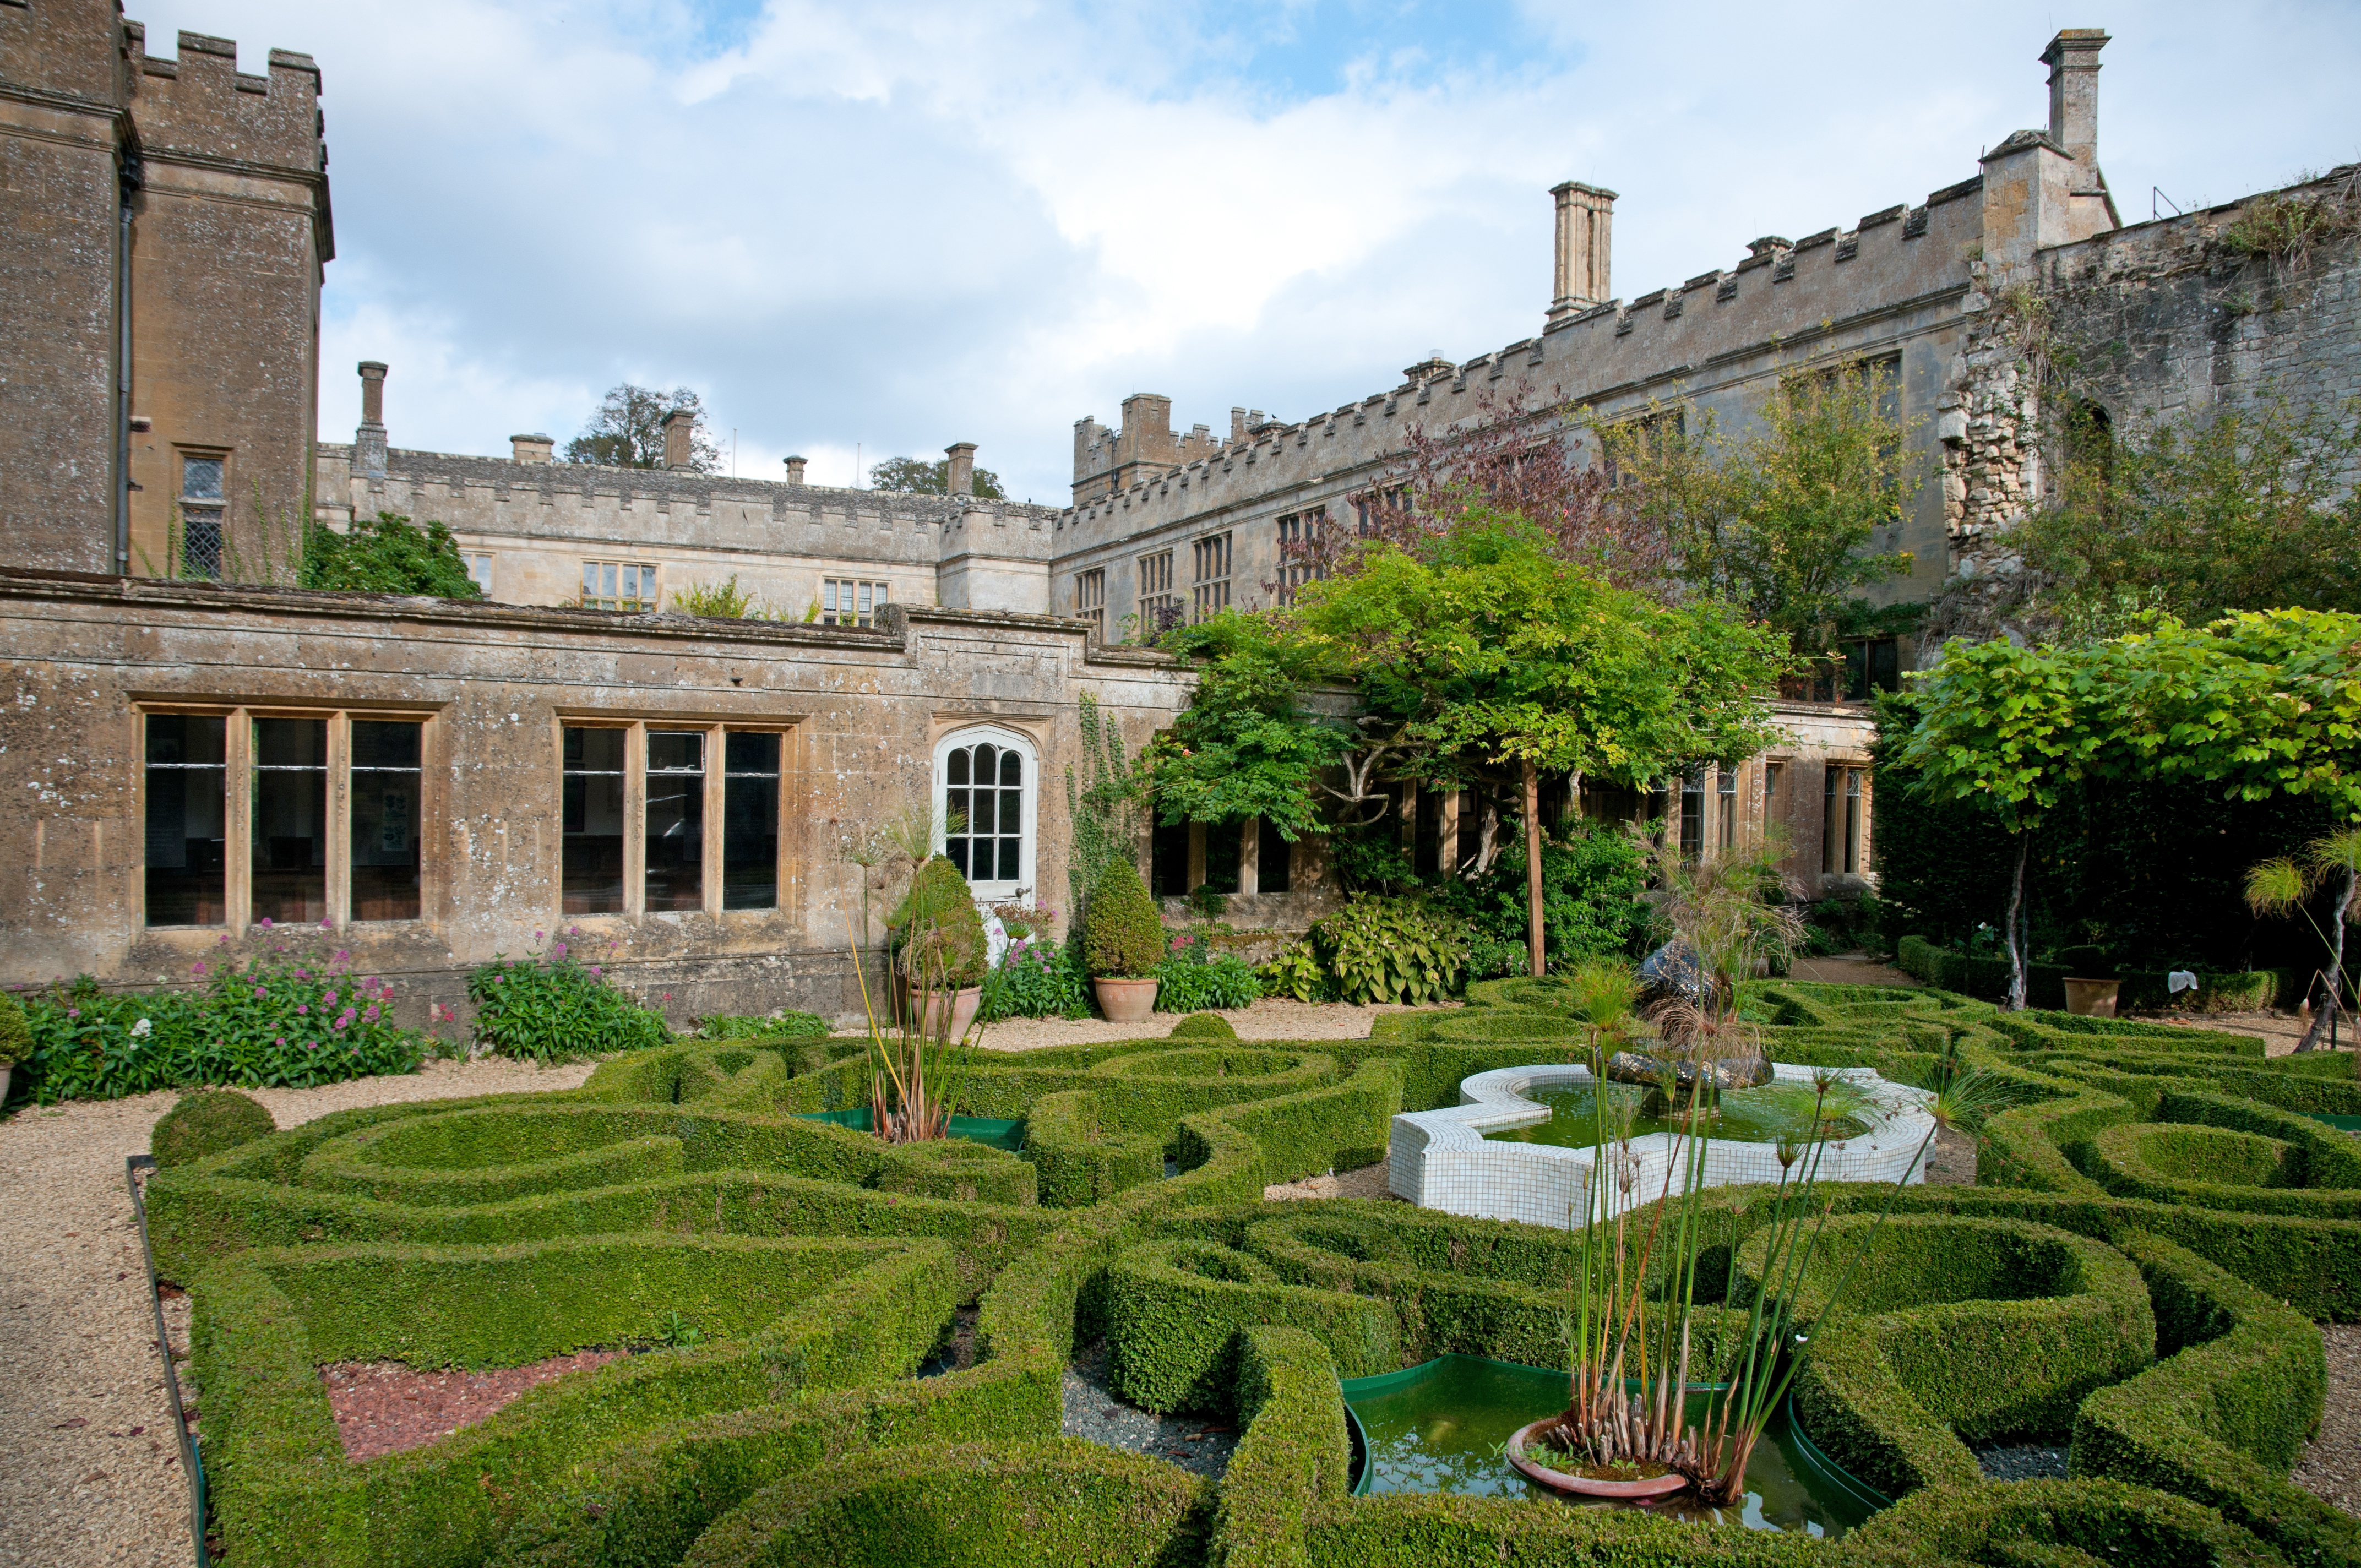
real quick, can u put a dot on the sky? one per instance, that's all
(880, 228)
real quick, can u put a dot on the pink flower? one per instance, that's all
(667, 996)
(300, 1007)
(574, 931)
(310, 1044)
(73, 1011)
(595, 971)
(370, 1015)
(559, 951)
(339, 1024)
(330, 998)
(279, 1041)
(258, 994)
(198, 967)
(537, 935)
(266, 922)
(343, 953)
(303, 974)
(327, 924)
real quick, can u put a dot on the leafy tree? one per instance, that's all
(916, 477)
(2256, 704)
(2251, 510)
(1482, 659)
(388, 555)
(628, 430)
(1781, 521)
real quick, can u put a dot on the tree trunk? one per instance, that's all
(1488, 838)
(2324, 1015)
(1534, 869)
(2016, 946)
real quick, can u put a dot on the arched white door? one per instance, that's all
(987, 788)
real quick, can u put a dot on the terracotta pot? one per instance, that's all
(1583, 1485)
(962, 1004)
(1125, 1000)
(6, 1069)
(2092, 998)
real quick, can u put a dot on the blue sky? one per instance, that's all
(899, 226)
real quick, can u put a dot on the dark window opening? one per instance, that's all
(1168, 875)
(984, 812)
(1693, 816)
(385, 819)
(1224, 855)
(185, 773)
(592, 869)
(749, 829)
(676, 825)
(289, 854)
(1274, 859)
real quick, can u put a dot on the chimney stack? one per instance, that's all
(959, 479)
(794, 470)
(2072, 58)
(1585, 221)
(368, 440)
(680, 431)
(530, 448)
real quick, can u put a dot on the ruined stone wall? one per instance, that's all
(61, 120)
(2165, 321)
(1890, 285)
(862, 711)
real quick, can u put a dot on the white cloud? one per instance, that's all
(906, 224)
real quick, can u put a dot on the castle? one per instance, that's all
(192, 747)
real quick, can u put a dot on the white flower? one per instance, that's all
(139, 1030)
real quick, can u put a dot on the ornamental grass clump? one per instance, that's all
(1125, 940)
(554, 1006)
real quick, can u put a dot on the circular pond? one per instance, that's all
(1763, 1116)
(1440, 1427)
(1520, 1143)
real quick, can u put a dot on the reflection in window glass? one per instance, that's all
(593, 823)
(676, 864)
(184, 781)
(385, 786)
(984, 810)
(749, 831)
(289, 857)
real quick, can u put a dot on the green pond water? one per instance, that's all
(1761, 1115)
(1444, 1428)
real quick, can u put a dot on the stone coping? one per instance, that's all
(1440, 1159)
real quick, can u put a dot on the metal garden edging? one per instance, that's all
(191, 1465)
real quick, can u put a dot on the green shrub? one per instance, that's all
(1124, 939)
(1194, 979)
(206, 1123)
(554, 1008)
(1390, 949)
(290, 1017)
(937, 930)
(15, 1037)
(1296, 971)
(1592, 876)
(1202, 1027)
(1037, 978)
(388, 555)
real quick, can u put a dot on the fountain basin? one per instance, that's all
(1443, 1158)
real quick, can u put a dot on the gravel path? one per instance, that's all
(1096, 1416)
(2022, 1461)
(91, 1475)
(2329, 1468)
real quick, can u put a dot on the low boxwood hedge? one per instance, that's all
(799, 1435)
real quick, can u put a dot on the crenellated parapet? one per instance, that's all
(201, 108)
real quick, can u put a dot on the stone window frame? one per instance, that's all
(1301, 530)
(635, 810)
(217, 505)
(1210, 560)
(1029, 851)
(237, 807)
(479, 569)
(1090, 599)
(1154, 591)
(627, 604)
(854, 612)
(1845, 797)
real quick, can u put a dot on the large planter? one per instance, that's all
(926, 1009)
(2092, 998)
(1636, 1491)
(1125, 1000)
(6, 1069)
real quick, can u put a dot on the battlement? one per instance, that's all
(1786, 301)
(201, 108)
